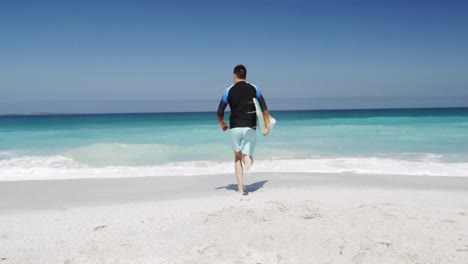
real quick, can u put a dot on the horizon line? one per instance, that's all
(201, 112)
(209, 99)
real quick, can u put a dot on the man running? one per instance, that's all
(242, 121)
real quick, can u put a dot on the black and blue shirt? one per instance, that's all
(239, 97)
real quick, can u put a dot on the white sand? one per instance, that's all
(294, 218)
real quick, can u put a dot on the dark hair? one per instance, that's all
(240, 71)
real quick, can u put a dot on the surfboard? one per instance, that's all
(261, 120)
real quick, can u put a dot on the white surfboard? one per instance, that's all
(261, 120)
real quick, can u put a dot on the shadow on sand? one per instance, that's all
(248, 188)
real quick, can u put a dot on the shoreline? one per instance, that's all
(65, 193)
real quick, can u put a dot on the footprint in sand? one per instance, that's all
(463, 249)
(449, 221)
(386, 244)
(99, 227)
(369, 247)
(202, 250)
(379, 209)
(369, 205)
(341, 249)
(358, 258)
(278, 205)
(311, 216)
(311, 210)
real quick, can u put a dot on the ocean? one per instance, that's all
(397, 141)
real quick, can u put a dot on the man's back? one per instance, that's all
(240, 97)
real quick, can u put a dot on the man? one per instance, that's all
(242, 121)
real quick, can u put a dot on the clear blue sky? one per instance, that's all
(152, 50)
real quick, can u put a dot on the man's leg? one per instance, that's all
(248, 162)
(239, 171)
(248, 148)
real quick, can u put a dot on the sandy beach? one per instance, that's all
(286, 218)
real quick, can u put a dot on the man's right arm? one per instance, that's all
(222, 106)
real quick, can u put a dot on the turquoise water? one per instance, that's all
(152, 144)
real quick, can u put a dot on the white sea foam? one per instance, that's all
(118, 154)
(60, 167)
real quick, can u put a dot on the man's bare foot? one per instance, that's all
(248, 162)
(243, 192)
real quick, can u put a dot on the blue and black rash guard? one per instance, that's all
(239, 97)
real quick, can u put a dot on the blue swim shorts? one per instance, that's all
(243, 139)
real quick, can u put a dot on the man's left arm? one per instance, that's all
(265, 112)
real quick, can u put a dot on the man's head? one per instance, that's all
(240, 73)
